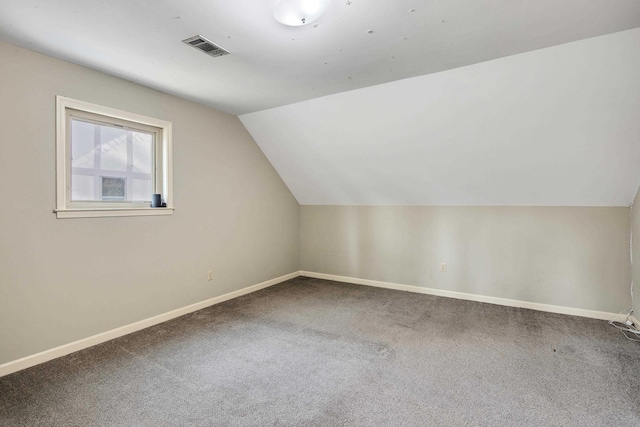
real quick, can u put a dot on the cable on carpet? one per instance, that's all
(628, 328)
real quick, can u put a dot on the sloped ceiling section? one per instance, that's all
(554, 127)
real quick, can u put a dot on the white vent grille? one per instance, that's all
(205, 45)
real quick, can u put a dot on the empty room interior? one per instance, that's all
(319, 212)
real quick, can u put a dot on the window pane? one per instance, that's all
(141, 190)
(82, 144)
(110, 163)
(113, 148)
(83, 187)
(142, 152)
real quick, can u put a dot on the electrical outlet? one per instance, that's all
(443, 267)
(210, 275)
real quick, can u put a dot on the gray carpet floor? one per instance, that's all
(310, 352)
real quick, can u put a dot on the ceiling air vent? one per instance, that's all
(205, 45)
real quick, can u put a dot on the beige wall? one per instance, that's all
(635, 218)
(65, 279)
(572, 257)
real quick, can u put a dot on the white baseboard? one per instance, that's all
(63, 350)
(602, 315)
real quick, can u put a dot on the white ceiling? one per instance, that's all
(540, 105)
(554, 127)
(273, 65)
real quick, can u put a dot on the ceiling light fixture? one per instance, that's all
(299, 12)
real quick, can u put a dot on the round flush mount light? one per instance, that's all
(299, 12)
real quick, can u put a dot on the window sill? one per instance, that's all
(107, 212)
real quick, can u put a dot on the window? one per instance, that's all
(110, 162)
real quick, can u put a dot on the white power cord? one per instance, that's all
(628, 328)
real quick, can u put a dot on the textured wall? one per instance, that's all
(65, 279)
(574, 257)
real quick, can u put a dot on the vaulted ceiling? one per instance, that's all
(457, 102)
(554, 127)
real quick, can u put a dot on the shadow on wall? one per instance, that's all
(573, 257)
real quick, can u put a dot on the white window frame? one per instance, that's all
(65, 207)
